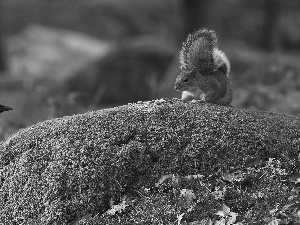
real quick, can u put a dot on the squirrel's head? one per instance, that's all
(186, 80)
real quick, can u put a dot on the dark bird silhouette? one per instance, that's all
(4, 108)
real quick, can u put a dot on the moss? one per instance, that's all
(61, 170)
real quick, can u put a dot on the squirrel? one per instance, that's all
(204, 70)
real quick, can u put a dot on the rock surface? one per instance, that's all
(49, 53)
(158, 162)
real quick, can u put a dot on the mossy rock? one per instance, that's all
(158, 162)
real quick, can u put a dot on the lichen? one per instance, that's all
(73, 169)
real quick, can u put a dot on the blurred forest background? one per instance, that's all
(62, 57)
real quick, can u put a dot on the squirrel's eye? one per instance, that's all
(185, 80)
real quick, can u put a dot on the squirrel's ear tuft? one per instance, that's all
(182, 60)
(197, 50)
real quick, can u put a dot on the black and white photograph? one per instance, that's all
(141, 112)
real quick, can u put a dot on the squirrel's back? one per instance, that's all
(217, 87)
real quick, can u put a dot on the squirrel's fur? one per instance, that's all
(204, 69)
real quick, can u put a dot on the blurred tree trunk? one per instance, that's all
(2, 52)
(2, 56)
(196, 15)
(272, 13)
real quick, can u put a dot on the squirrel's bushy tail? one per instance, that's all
(200, 51)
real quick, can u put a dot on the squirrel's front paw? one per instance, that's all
(198, 100)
